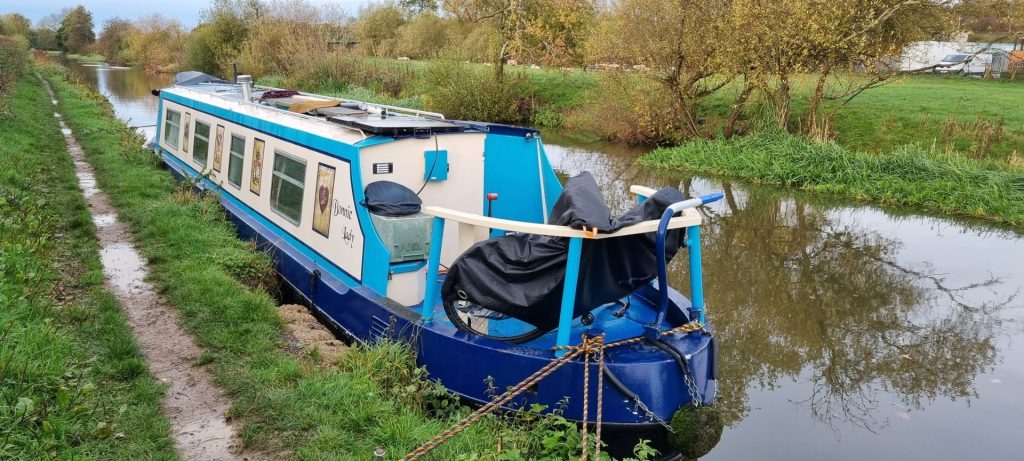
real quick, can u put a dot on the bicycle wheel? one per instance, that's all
(480, 321)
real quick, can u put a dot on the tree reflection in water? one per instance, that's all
(804, 292)
(797, 292)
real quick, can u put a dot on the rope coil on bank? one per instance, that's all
(590, 345)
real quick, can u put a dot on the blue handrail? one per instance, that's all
(696, 277)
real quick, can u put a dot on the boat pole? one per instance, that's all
(696, 273)
(572, 275)
(540, 179)
(433, 265)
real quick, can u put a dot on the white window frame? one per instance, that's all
(301, 183)
(195, 135)
(177, 128)
(241, 159)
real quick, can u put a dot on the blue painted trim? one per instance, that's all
(572, 274)
(375, 254)
(696, 274)
(373, 141)
(277, 230)
(433, 265)
(159, 122)
(403, 267)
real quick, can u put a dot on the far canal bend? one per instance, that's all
(847, 331)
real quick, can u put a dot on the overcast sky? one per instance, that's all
(186, 11)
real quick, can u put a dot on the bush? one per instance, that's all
(642, 114)
(13, 64)
(462, 92)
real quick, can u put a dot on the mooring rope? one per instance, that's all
(590, 344)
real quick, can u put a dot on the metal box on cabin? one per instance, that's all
(407, 238)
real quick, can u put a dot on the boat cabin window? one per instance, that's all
(172, 127)
(287, 185)
(236, 159)
(201, 143)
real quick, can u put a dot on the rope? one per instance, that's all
(430, 445)
(588, 346)
(684, 328)
(586, 393)
(600, 395)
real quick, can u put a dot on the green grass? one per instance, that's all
(375, 397)
(87, 57)
(73, 384)
(909, 176)
(981, 118)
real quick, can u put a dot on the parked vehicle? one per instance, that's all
(965, 64)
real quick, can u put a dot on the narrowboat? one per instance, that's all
(458, 237)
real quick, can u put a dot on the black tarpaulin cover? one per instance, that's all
(522, 275)
(388, 198)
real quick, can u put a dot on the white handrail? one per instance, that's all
(642, 191)
(689, 217)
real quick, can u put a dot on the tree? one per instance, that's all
(44, 35)
(423, 36)
(75, 32)
(672, 41)
(377, 29)
(113, 40)
(15, 24)
(294, 37)
(415, 7)
(157, 44)
(560, 30)
(529, 29)
(220, 37)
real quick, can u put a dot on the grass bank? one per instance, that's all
(87, 57)
(373, 396)
(73, 384)
(908, 176)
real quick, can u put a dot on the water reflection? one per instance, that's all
(128, 90)
(829, 303)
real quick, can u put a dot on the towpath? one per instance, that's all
(196, 407)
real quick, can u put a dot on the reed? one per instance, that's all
(909, 176)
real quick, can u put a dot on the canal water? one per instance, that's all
(847, 331)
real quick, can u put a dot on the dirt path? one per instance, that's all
(195, 406)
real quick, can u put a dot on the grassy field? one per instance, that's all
(909, 176)
(979, 118)
(73, 384)
(374, 396)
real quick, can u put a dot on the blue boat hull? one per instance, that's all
(472, 366)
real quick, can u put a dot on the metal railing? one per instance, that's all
(688, 218)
